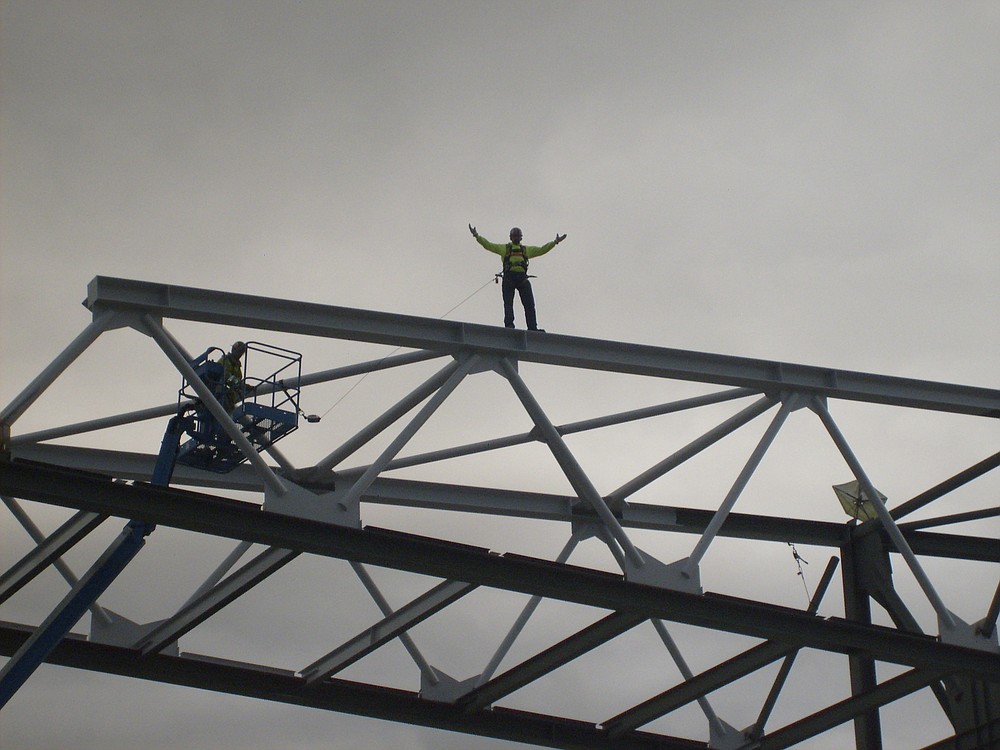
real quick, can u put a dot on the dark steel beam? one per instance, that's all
(716, 677)
(828, 718)
(712, 679)
(948, 485)
(390, 627)
(234, 519)
(283, 686)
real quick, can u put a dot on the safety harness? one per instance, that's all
(515, 260)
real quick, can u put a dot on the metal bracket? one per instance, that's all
(447, 689)
(964, 634)
(722, 736)
(121, 631)
(676, 576)
(330, 507)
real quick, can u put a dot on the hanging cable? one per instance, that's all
(799, 560)
(466, 299)
(440, 317)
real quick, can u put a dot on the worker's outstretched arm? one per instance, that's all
(534, 252)
(493, 248)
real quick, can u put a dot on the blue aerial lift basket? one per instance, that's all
(264, 408)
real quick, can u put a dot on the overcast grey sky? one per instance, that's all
(811, 182)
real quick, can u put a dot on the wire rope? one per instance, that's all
(440, 317)
(798, 561)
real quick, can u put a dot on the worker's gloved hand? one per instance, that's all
(473, 230)
(560, 238)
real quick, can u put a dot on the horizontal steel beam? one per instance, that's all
(530, 505)
(266, 313)
(283, 686)
(235, 519)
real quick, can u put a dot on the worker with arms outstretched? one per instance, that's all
(515, 273)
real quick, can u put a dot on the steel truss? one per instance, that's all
(317, 510)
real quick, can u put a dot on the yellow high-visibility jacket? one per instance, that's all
(515, 257)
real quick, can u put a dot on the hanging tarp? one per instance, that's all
(855, 501)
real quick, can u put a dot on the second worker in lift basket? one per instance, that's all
(233, 375)
(515, 258)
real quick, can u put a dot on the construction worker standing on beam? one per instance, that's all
(515, 273)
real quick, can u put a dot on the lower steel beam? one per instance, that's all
(390, 704)
(233, 519)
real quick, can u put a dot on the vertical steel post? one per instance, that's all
(857, 608)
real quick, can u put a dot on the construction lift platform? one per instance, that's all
(265, 408)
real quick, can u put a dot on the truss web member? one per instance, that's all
(515, 273)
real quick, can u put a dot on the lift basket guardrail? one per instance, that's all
(266, 409)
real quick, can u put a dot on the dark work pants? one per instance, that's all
(518, 281)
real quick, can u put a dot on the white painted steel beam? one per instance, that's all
(208, 603)
(519, 504)
(391, 626)
(247, 311)
(888, 523)
(570, 466)
(427, 671)
(59, 564)
(740, 484)
(595, 423)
